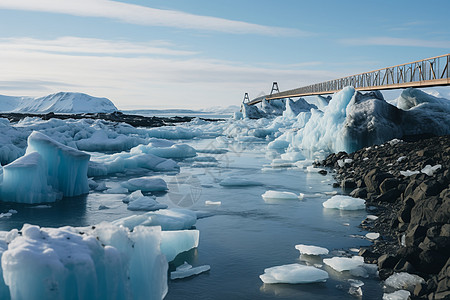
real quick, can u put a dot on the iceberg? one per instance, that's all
(279, 195)
(341, 264)
(403, 281)
(397, 295)
(137, 201)
(293, 274)
(186, 270)
(102, 262)
(345, 203)
(172, 151)
(25, 181)
(146, 184)
(311, 250)
(168, 219)
(175, 242)
(66, 167)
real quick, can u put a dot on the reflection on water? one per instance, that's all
(68, 211)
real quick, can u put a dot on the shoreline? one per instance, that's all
(413, 208)
(133, 120)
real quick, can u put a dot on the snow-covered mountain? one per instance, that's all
(62, 102)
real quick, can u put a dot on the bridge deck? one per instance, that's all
(423, 73)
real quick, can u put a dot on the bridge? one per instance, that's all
(428, 72)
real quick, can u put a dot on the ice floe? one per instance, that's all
(293, 274)
(146, 184)
(403, 281)
(186, 270)
(311, 250)
(345, 203)
(276, 195)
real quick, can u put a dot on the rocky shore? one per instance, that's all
(133, 120)
(406, 183)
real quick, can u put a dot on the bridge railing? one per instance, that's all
(427, 72)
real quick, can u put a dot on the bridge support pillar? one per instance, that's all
(274, 88)
(246, 98)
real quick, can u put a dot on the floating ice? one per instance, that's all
(429, 170)
(137, 201)
(408, 173)
(116, 190)
(239, 181)
(311, 250)
(101, 141)
(66, 167)
(102, 165)
(343, 162)
(175, 242)
(341, 264)
(107, 262)
(397, 295)
(312, 169)
(371, 217)
(345, 203)
(168, 219)
(186, 270)
(403, 280)
(372, 235)
(207, 202)
(146, 184)
(173, 151)
(293, 274)
(275, 195)
(25, 181)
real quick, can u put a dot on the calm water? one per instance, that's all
(240, 237)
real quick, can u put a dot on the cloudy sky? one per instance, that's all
(203, 53)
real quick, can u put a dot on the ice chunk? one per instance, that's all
(311, 250)
(345, 203)
(238, 181)
(100, 141)
(102, 165)
(312, 169)
(213, 202)
(408, 173)
(372, 235)
(145, 203)
(401, 158)
(275, 195)
(186, 270)
(66, 167)
(25, 181)
(175, 242)
(146, 184)
(341, 264)
(293, 274)
(403, 280)
(343, 162)
(173, 151)
(397, 295)
(429, 170)
(107, 262)
(116, 190)
(168, 219)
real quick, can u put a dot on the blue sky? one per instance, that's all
(198, 53)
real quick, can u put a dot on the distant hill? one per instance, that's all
(62, 102)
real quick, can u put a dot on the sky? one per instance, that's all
(144, 54)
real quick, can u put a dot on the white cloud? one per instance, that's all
(391, 41)
(140, 81)
(91, 46)
(143, 15)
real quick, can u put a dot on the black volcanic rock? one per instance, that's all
(413, 211)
